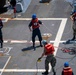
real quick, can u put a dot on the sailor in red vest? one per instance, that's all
(49, 52)
(35, 24)
(73, 18)
(13, 3)
(67, 70)
(1, 36)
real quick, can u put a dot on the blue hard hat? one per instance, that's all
(66, 64)
(34, 16)
(44, 42)
(74, 11)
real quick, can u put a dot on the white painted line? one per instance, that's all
(7, 53)
(5, 50)
(5, 41)
(5, 65)
(31, 18)
(59, 41)
(58, 37)
(22, 70)
(4, 19)
(26, 41)
(2, 70)
(23, 41)
(38, 18)
(56, 43)
(17, 41)
(59, 34)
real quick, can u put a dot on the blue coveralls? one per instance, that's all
(36, 32)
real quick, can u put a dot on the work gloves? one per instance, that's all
(39, 59)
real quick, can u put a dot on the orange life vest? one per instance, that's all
(49, 49)
(35, 24)
(67, 71)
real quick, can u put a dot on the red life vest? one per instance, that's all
(49, 49)
(67, 71)
(74, 16)
(35, 24)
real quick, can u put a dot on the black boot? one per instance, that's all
(44, 1)
(54, 73)
(41, 44)
(45, 73)
(34, 45)
(73, 38)
(1, 45)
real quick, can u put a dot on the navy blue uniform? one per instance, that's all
(36, 32)
(1, 37)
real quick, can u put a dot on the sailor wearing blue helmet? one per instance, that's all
(73, 18)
